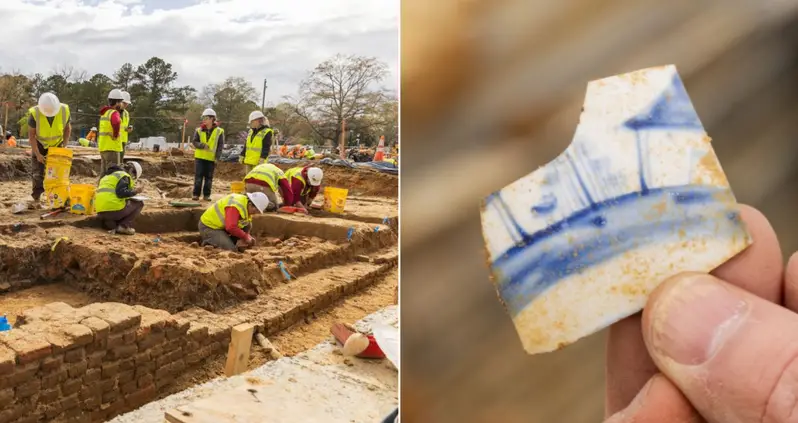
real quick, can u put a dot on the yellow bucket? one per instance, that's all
(57, 196)
(335, 199)
(57, 167)
(237, 187)
(81, 199)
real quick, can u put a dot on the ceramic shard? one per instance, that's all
(637, 197)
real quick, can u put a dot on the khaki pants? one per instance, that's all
(107, 159)
(219, 238)
(273, 200)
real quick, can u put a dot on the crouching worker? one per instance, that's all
(228, 223)
(305, 183)
(268, 179)
(112, 200)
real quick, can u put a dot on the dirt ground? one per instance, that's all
(14, 303)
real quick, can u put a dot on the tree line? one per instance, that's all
(343, 91)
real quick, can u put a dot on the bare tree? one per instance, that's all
(338, 89)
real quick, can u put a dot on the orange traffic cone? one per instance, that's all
(380, 154)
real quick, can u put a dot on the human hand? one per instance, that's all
(737, 371)
(129, 129)
(39, 157)
(262, 161)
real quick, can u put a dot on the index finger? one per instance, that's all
(759, 270)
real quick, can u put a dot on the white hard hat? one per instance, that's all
(259, 200)
(116, 94)
(315, 174)
(257, 114)
(126, 97)
(136, 170)
(93, 128)
(49, 104)
(208, 112)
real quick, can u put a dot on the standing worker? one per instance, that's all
(126, 127)
(49, 126)
(259, 141)
(268, 179)
(208, 143)
(112, 199)
(110, 138)
(228, 223)
(305, 183)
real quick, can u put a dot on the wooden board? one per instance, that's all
(248, 408)
(238, 351)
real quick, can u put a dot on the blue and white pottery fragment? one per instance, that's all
(637, 197)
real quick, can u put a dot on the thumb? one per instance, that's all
(658, 401)
(731, 353)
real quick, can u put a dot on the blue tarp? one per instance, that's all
(384, 167)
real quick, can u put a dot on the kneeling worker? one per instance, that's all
(112, 202)
(268, 179)
(228, 223)
(305, 183)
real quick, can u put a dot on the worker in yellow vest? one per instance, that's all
(112, 199)
(259, 141)
(127, 128)
(109, 137)
(208, 143)
(305, 184)
(49, 126)
(228, 223)
(268, 179)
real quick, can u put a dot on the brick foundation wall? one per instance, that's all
(92, 363)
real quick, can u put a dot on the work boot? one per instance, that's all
(195, 198)
(207, 198)
(124, 230)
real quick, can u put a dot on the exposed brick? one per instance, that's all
(75, 355)
(128, 364)
(198, 332)
(108, 385)
(145, 380)
(127, 376)
(54, 379)
(8, 358)
(12, 413)
(95, 359)
(141, 357)
(129, 337)
(92, 375)
(115, 340)
(128, 388)
(48, 396)
(29, 347)
(124, 351)
(53, 410)
(79, 334)
(118, 316)
(99, 344)
(109, 396)
(98, 326)
(29, 388)
(145, 368)
(91, 403)
(151, 340)
(110, 370)
(175, 333)
(153, 320)
(52, 363)
(174, 344)
(193, 358)
(170, 370)
(142, 396)
(30, 418)
(87, 392)
(71, 386)
(168, 358)
(163, 384)
(156, 351)
(77, 370)
(70, 401)
(6, 395)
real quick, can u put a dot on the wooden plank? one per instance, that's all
(249, 407)
(238, 351)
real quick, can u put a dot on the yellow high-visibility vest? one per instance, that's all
(268, 173)
(208, 153)
(123, 127)
(254, 146)
(50, 135)
(214, 216)
(105, 137)
(105, 199)
(296, 172)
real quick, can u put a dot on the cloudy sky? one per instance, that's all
(205, 40)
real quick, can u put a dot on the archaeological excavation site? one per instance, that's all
(103, 324)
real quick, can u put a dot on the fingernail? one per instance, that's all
(692, 319)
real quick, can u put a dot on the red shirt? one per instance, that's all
(116, 119)
(231, 218)
(297, 186)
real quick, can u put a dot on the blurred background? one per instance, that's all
(490, 91)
